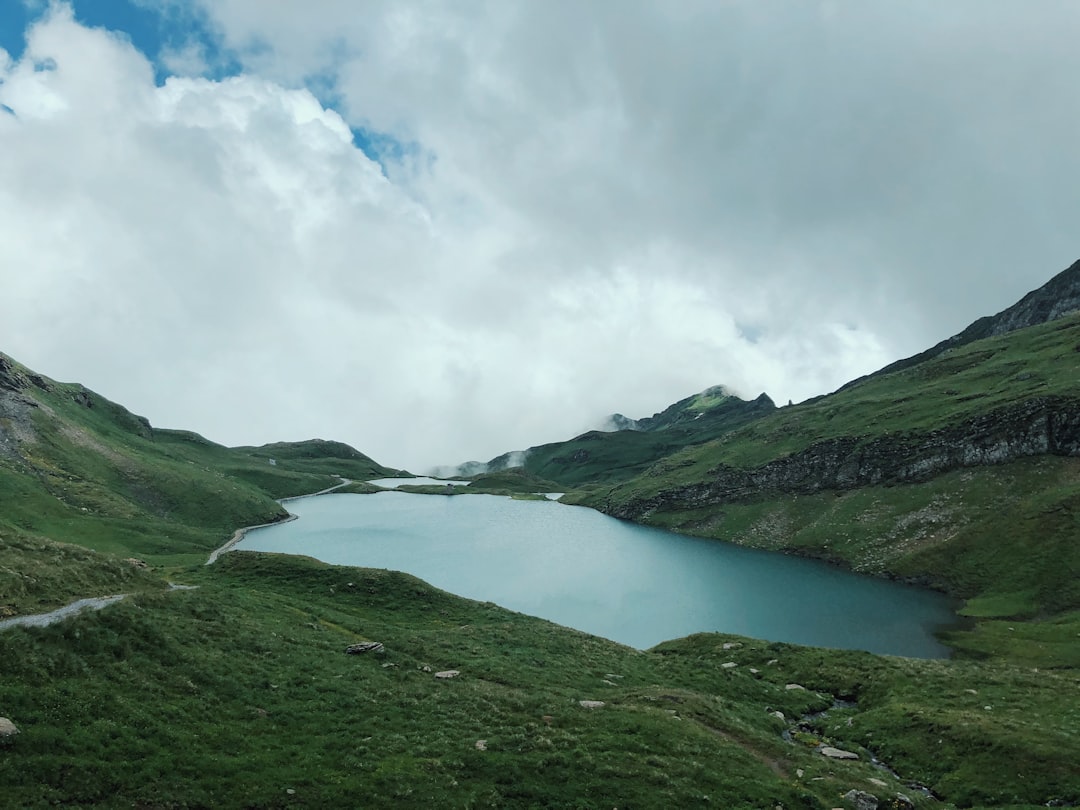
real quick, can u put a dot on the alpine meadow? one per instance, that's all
(228, 685)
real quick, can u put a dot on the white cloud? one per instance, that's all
(603, 208)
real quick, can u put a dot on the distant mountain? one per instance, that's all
(615, 455)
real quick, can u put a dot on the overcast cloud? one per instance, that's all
(578, 208)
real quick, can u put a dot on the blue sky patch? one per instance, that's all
(156, 27)
(151, 29)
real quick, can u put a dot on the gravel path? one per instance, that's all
(98, 602)
(54, 616)
(238, 535)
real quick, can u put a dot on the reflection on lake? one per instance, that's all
(629, 583)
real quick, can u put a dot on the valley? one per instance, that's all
(958, 469)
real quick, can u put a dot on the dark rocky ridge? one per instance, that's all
(1039, 426)
(1057, 298)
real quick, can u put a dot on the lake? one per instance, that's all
(632, 584)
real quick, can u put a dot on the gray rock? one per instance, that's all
(365, 647)
(862, 800)
(447, 674)
(836, 753)
(8, 730)
(590, 704)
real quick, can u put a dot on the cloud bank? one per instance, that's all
(563, 210)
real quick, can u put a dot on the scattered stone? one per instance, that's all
(901, 802)
(609, 683)
(728, 665)
(772, 661)
(389, 665)
(862, 800)
(425, 668)
(290, 791)
(8, 730)
(799, 773)
(971, 691)
(7, 610)
(879, 782)
(988, 708)
(590, 704)
(792, 686)
(836, 753)
(365, 647)
(481, 745)
(135, 562)
(447, 674)
(616, 677)
(732, 645)
(754, 671)
(779, 715)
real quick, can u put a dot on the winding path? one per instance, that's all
(54, 616)
(239, 534)
(99, 602)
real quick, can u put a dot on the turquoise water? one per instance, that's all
(633, 584)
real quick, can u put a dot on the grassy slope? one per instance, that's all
(97, 476)
(237, 692)
(234, 694)
(1003, 536)
(599, 456)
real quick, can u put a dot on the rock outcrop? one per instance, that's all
(365, 647)
(1039, 426)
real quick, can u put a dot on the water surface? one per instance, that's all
(633, 584)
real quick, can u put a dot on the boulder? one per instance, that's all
(862, 800)
(590, 704)
(365, 647)
(8, 730)
(836, 753)
(447, 674)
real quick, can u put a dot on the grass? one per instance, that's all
(238, 692)
(37, 574)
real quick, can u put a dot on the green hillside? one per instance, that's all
(77, 468)
(608, 456)
(960, 471)
(239, 694)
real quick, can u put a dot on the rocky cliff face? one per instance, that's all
(1045, 425)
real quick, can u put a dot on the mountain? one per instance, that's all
(958, 468)
(605, 456)
(77, 467)
(961, 471)
(1060, 296)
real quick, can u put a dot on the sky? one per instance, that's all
(441, 230)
